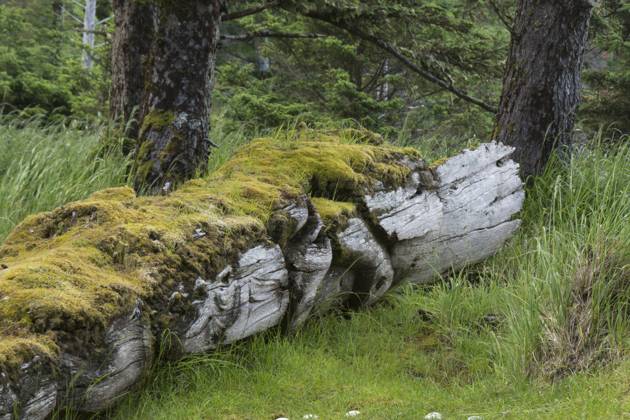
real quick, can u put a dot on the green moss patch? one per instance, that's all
(334, 212)
(66, 274)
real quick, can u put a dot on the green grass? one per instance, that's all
(569, 271)
(539, 331)
(42, 167)
(386, 363)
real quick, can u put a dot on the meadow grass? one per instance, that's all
(44, 166)
(539, 331)
(387, 363)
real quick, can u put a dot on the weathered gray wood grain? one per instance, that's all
(460, 216)
(131, 342)
(309, 258)
(242, 301)
(367, 259)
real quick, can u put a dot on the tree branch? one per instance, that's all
(385, 46)
(96, 32)
(270, 34)
(372, 82)
(392, 50)
(504, 19)
(247, 12)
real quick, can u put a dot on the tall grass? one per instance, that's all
(42, 167)
(569, 271)
(228, 141)
(556, 300)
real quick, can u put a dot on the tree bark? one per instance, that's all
(89, 25)
(173, 143)
(135, 29)
(542, 79)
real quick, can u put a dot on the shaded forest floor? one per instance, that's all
(539, 331)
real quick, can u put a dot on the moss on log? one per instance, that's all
(281, 227)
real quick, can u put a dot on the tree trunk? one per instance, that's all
(89, 25)
(135, 29)
(173, 143)
(542, 79)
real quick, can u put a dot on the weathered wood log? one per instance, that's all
(281, 229)
(465, 217)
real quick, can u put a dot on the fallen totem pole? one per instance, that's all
(87, 290)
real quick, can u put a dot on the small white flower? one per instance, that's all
(353, 413)
(433, 416)
(310, 416)
(282, 418)
(475, 418)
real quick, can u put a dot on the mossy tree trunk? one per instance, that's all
(135, 30)
(163, 62)
(542, 78)
(173, 142)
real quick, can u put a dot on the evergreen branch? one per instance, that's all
(248, 12)
(372, 82)
(427, 75)
(506, 20)
(392, 50)
(271, 34)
